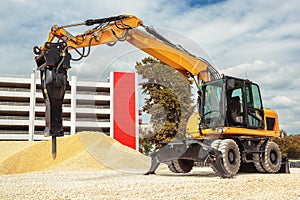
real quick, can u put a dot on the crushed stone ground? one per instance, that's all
(91, 165)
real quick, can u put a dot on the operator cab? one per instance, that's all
(231, 102)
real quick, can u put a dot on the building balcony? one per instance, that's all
(14, 121)
(14, 94)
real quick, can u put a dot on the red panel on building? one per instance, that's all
(125, 108)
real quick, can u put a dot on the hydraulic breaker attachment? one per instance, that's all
(189, 150)
(53, 64)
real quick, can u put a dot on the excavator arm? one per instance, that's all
(124, 28)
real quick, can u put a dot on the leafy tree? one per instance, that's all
(289, 145)
(169, 102)
(146, 144)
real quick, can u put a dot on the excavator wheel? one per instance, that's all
(181, 166)
(172, 167)
(258, 165)
(271, 158)
(230, 155)
(215, 144)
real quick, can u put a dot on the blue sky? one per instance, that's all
(258, 40)
(201, 3)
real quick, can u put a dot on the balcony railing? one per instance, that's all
(43, 118)
(14, 103)
(93, 106)
(93, 93)
(14, 117)
(92, 120)
(14, 89)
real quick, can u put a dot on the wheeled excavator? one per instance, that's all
(231, 128)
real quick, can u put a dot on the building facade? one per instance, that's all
(88, 106)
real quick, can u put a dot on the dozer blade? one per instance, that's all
(154, 165)
(189, 150)
(215, 159)
(217, 164)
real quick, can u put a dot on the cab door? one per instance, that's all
(254, 107)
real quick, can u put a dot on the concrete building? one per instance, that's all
(87, 106)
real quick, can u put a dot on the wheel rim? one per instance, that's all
(273, 157)
(231, 157)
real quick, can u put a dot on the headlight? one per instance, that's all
(189, 136)
(220, 130)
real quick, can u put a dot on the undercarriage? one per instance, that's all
(227, 157)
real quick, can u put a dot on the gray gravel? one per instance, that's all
(201, 183)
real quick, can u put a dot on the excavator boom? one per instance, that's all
(124, 28)
(182, 61)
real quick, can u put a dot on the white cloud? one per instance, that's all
(282, 101)
(271, 75)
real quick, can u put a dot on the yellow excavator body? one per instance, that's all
(232, 129)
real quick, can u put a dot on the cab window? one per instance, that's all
(254, 107)
(256, 97)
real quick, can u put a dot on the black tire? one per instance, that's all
(172, 168)
(181, 166)
(231, 156)
(258, 165)
(272, 158)
(215, 144)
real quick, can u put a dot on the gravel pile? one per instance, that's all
(37, 156)
(83, 151)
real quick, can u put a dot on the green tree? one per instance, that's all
(170, 101)
(289, 145)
